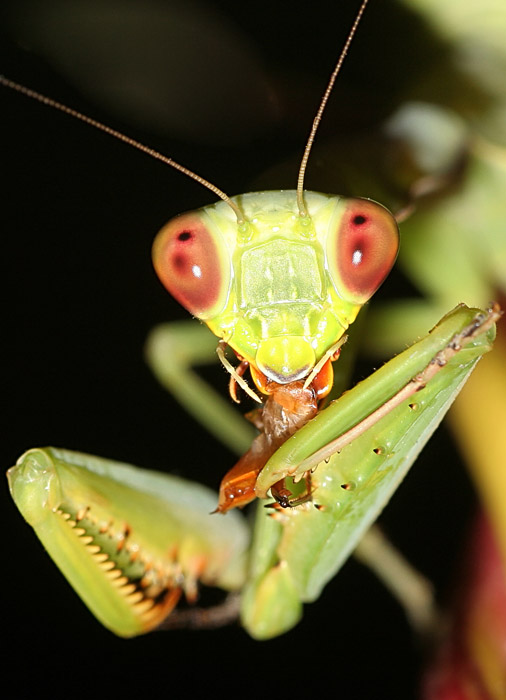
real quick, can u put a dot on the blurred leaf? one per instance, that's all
(476, 30)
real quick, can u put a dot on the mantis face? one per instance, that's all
(280, 289)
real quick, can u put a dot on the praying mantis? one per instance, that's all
(215, 516)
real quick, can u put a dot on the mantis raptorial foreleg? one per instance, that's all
(130, 541)
(353, 486)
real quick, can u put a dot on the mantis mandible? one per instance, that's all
(310, 491)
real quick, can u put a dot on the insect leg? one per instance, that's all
(413, 591)
(172, 350)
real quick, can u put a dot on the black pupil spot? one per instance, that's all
(184, 236)
(359, 219)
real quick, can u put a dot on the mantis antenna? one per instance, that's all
(316, 122)
(126, 139)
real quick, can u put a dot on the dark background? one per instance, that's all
(79, 214)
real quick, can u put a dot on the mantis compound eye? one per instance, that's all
(193, 264)
(362, 249)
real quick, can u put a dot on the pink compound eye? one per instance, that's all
(193, 265)
(362, 250)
